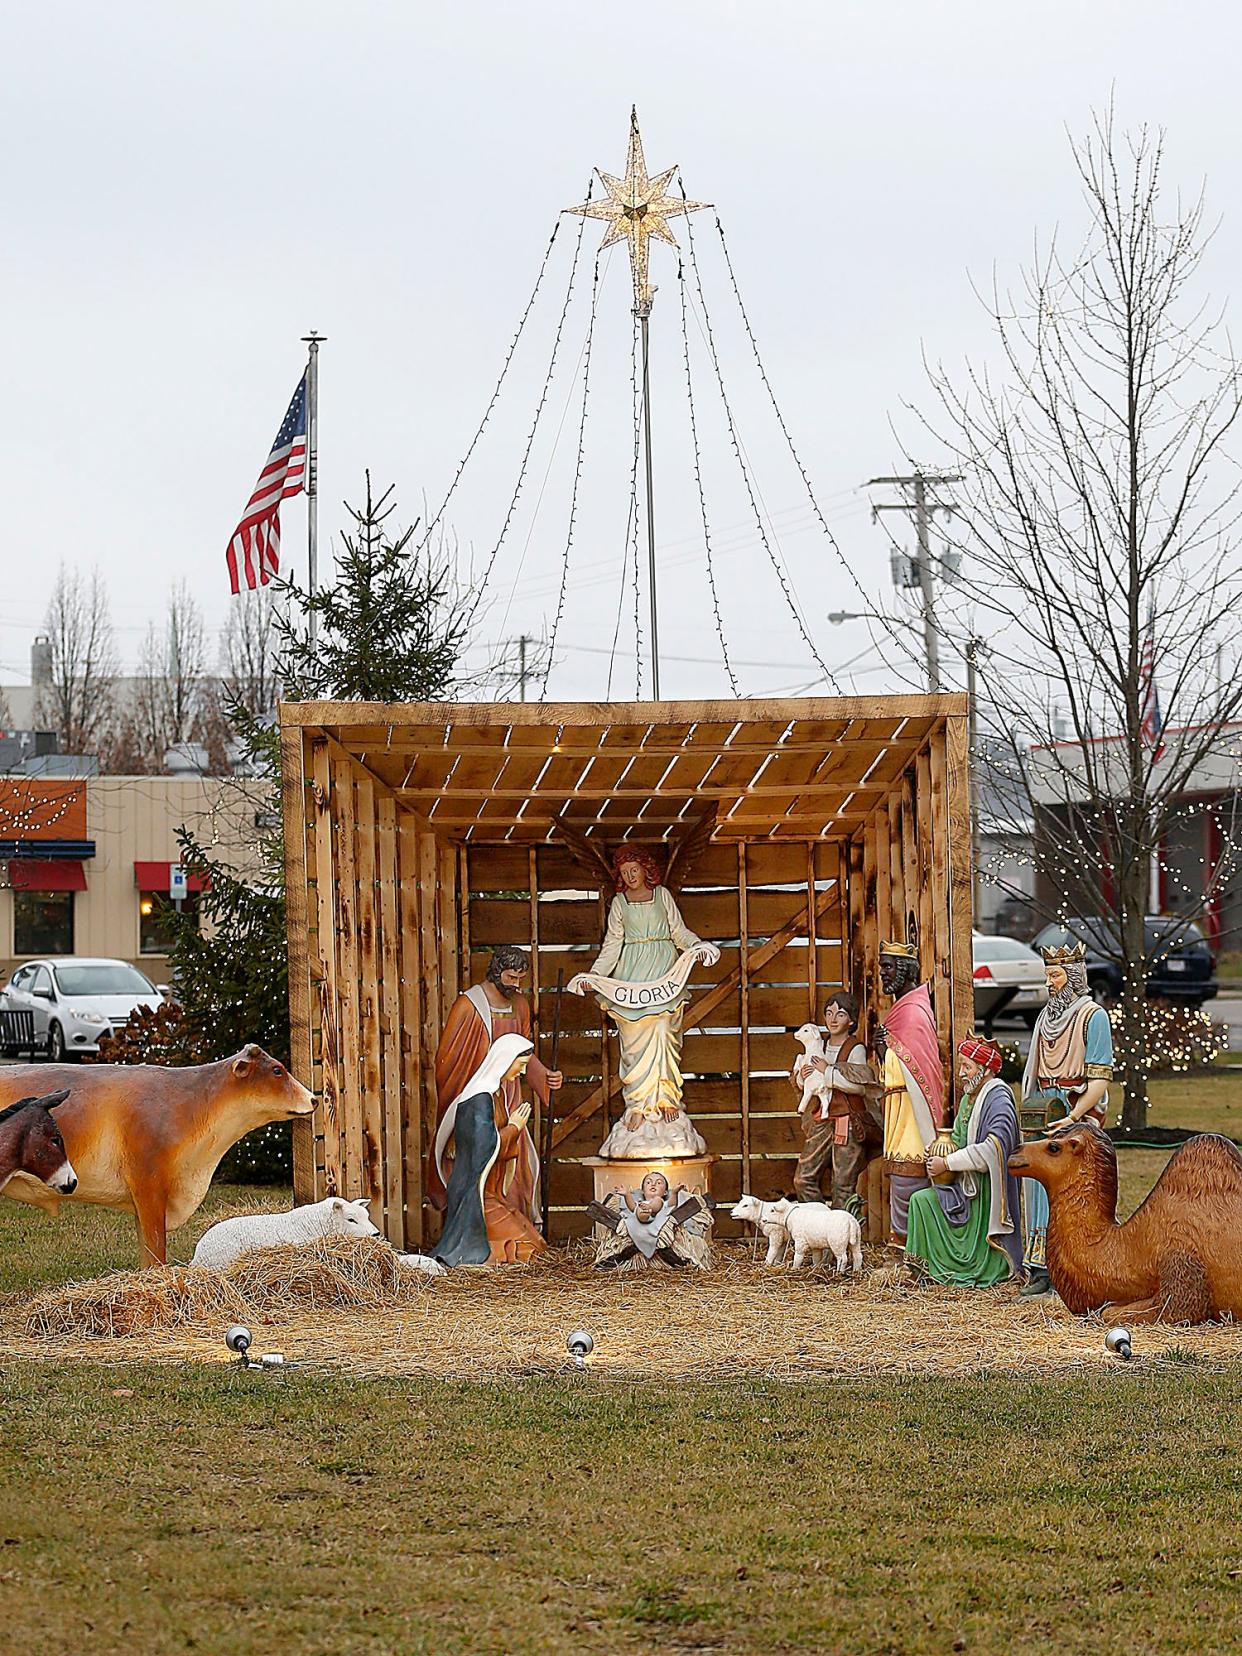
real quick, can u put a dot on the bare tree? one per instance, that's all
(168, 703)
(78, 702)
(1100, 513)
(249, 674)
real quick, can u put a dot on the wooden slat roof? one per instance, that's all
(814, 767)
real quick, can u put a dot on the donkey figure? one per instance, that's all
(30, 1142)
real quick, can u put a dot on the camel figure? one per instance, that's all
(1177, 1259)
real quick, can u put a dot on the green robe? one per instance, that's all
(959, 1255)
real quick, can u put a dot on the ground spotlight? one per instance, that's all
(238, 1339)
(1117, 1340)
(580, 1345)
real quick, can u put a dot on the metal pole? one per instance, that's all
(522, 665)
(972, 645)
(644, 315)
(312, 341)
(922, 521)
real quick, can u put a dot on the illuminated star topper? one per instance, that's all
(638, 208)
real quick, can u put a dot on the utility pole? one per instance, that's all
(522, 673)
(974, 648)
(923, 510)
(531, 663)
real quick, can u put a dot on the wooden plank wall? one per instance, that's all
(910, 880)
(387, 923)
(541, 896)
(382, 939)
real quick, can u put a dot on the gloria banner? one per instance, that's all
(660, 995)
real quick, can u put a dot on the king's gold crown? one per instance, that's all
(1064, 954)
(902, 951)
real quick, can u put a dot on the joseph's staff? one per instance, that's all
(546, 1148)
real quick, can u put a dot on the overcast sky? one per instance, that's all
(187, 190)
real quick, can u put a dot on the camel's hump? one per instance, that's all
(1208, 1165)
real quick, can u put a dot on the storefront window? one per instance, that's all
(156, 922)
(43, 922)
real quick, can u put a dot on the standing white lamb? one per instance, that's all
(231, 1238)
(812, 1227)
(816, 1084)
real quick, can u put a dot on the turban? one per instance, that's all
(981, 1052)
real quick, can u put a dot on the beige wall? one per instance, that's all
(135, 819)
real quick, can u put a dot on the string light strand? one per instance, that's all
(698, 479)
(789, 442)
(530, 440)
(742, 467)
(492, 401)
(573, 499)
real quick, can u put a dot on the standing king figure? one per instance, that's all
(908, 1045)
(1065, 1080)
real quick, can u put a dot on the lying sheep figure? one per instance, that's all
(334, 1216)
(812, 1227)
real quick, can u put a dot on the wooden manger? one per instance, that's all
(797, 834)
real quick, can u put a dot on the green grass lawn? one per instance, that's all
(157, 1509)
(160, 1510)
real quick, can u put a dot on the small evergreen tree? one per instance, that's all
(391, 628)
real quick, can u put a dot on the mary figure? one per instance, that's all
(479, 1145)
(640, 978)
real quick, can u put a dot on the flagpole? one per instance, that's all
(312, 341)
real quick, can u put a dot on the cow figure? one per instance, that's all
(31, 1143)
(146, 1140)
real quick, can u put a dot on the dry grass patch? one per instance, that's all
(350, 1305)
(333, 1272)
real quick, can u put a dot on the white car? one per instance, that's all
(76, 1000)
(1009, 980)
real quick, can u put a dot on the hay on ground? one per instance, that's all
(350, 1305)
(362, 1273)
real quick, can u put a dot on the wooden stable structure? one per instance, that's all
(797, 834)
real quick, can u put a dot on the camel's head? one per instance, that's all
(1081, 1153)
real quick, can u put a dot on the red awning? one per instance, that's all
(40, 874)
(153, 876)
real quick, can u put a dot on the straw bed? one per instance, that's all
(348, 1305)
(333, 1272)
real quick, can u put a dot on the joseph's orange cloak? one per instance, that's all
(463, 1047)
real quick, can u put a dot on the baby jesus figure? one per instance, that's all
(653, 1197)
(653, 1222)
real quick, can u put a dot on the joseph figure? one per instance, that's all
(908, 1047)
(968, 1231)
(476, 1021)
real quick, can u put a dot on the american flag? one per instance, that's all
(254, 549)
(1152, 725)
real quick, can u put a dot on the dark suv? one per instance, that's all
(1181, 972)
